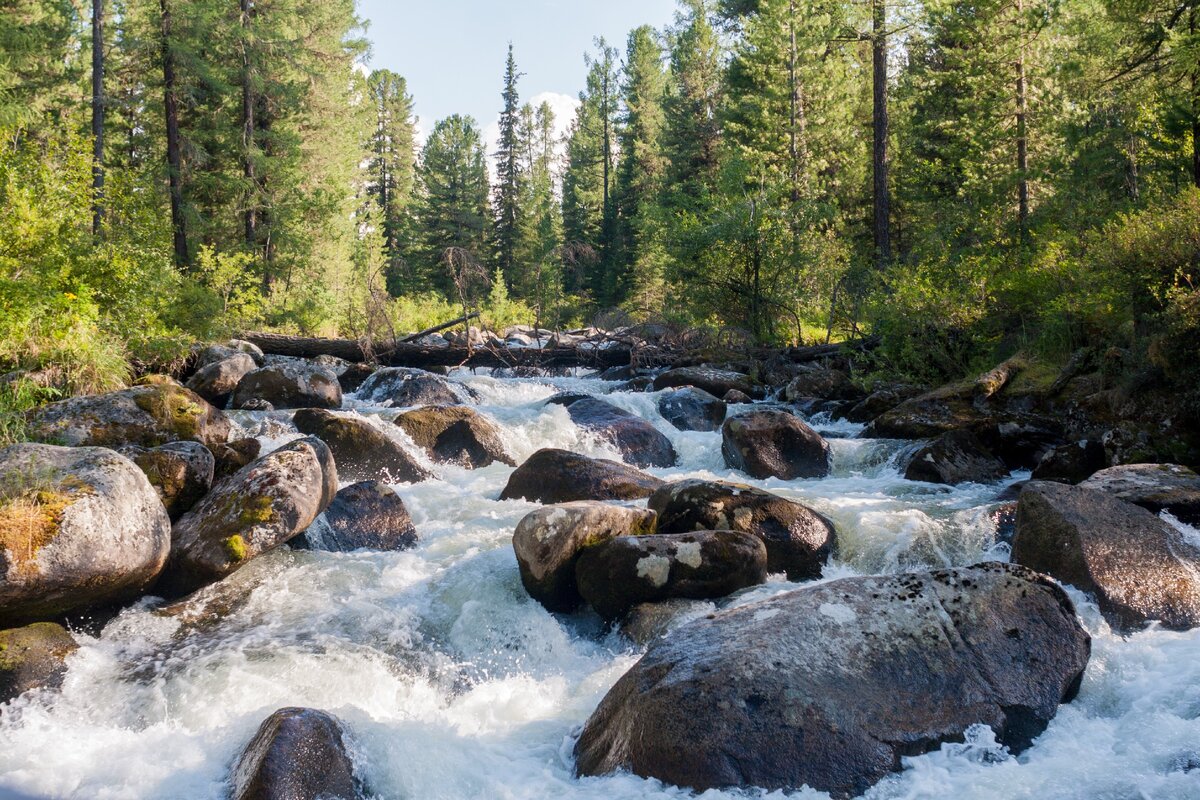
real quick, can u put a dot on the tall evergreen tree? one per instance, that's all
(508, 173)
(392, 166)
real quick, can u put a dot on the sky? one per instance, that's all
(452, 52)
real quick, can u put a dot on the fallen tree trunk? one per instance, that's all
(439, 328)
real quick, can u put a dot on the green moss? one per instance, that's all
(256, 511)
(174, 408)
(235, 548)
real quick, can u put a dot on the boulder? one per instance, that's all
(692, 409)
(642, 383)
(1071, 463)
(618, 574)
(735, 397)
(1158, 487)
(560, 476)
(33, 657)
(821, 382)
(181, 472)
(1139, 567)
(548, 542)
(363, 516)
(955, 457)
(297, 754)
(232, 456)
(646, 622)
(79, 528)
(234, 347)
(714, 381)
(639, 442)
(927, 416)
(147, 415)
(830, 686)
(217, 381)
(798, 539)
(263, 505)
(290, 385)
(362, 451)
(455, 435)
(774, 444)
(402, 387)
(354, 377)
(879, 402)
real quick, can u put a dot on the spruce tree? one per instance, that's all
(508, 174)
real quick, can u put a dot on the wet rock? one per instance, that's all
(798, 539)
(232, 456)
(362, 451)
(646, 622)
(234, 347)
(354, 376)
(216, 382)
(878, 402)
(332, 363)
(640, 384)
(830, 686)
(625, 373)
(363, 516)
(1071, 463)
(256, 404)
(79, 527)
(1157, 487)
(825, 383)
(297, 754)
(617, 575)
(714, 381)
(144, 415)
(1022, 441)
(290, 385)
(774, 444)
(547, 543)
(455, 435)
(1004, 517)
(259, 508)
(1139, 567)
(692, 409)
(735, 397)
(402, 387)
(639, 442)
(953, 458)
(927, 416)
(181, 472)
(33, 657)
(560, 476)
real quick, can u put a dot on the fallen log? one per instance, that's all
(439, 328)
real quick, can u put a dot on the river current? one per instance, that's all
(453, 684)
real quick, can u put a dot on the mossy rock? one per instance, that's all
(33, 657)
(455, 435)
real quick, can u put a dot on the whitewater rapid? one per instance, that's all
(454, 684)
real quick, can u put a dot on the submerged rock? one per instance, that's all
(362, 451)
(560, 476)
(798, 539)
(714, 381)
(692, 409)
(1156, 487)
(290, 385)
(216, 382)
(297, 754)
(403, 387)
(830, 686)
(259, 508)
(79, 527)
(774, 444)
(455, 435)
(618, 574)
(1139, 567)
(181, 472)
(953, 458)
(363, 516)
(640, 442)
(33, 657)
(547, 543)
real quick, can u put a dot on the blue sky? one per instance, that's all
(452, 51)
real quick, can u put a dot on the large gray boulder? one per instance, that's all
(455, 435)
(297, 754)
(639, 442)
(79, 527)
(692, 409)
(712, 380)
(33, 657)
(1156, 487)
(362, 451)
(219, 352)
(953, 458)
(403, 387)
(260, 507)
(798, 539)
(216, 382)
(147, 415)
(363, 516)
(774, 444)
(560, 476)
(618, 574)
(1139, 567)
(548, 541)
(289, 385)
(830, 686)
(181, 472)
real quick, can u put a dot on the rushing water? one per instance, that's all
(454, 684)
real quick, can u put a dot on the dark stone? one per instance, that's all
(560, 476)
(290, 385)
(362, 451)
(735, 397)
(878, 402)
(642, 383)
(455, 435)
(363, 516)
(955, 457)
(297, 754)
(714, 381)
(402, 387)
(354, 377)
(640, 442)
(1071, 463)
(825, 383)
(927, 416)
(692, 409)
(181, 472)
(774, 444)
(33, 657)
(234, 455)
(216, 382)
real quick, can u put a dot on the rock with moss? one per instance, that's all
(181, 472)
(774, 444)
(548, 542)
(831, 686)
(232, 456)
(798, 539)
(402, 387)
(216, 382)
(296, 754)
(148, 416)
(710, 379)
(362, 451)
(363, 516)
(80, 527)
(929, 415)
(953, 458)
(290, 384)
(618, 574)
(560, 476)
(455, 435)
(33, 657)
(1156, 487)
(822, 382)
(692, 409)
(262, 506)
(639, 442)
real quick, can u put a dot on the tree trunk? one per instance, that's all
(1022, 132)
(97, 116)
(882, 197)
(251, 212)
(1195, 80)
(174, 149)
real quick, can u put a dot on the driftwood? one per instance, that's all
(439, 328)
(991, 383)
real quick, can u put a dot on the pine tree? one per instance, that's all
(508, 174)
(392, 166)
